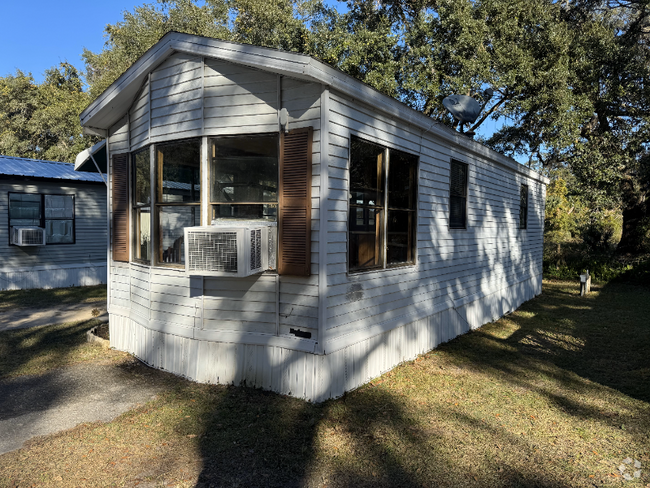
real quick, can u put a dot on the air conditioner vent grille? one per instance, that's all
(226, 251)
(28, 236)
(256, 249)
(212, 251)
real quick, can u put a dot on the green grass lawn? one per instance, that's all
(557, 394)
(41, 298)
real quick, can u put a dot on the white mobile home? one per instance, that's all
(54, 225)
(277, 223)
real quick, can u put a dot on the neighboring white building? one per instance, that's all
(54, 225)
(382, 233)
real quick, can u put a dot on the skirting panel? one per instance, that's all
(55, 277)
(303, 374)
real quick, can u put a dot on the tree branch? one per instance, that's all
(487, 114)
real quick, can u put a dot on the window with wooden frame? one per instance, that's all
(458, 195)
(54, 213)
(177, 198)
(141, 205)
(383, 201)
(244, 177)
(523, 207)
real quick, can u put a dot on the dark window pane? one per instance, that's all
(246, 212)
(59, 207)
(172, 221)
(457, 195)
(244, 169)
(180, 164)
(365, 229)
(458, 179)
(456, 212)
(59, 232)
(366, 169)
(142, 222)
(142, 178)
(401, 180)
(523, 207)
(24, 209)
(400, 238)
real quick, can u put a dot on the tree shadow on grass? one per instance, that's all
(579, 353)
(370, 438)
(604, 337)
(36, 349)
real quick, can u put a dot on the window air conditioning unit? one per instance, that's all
(28, 236)
(226, 250)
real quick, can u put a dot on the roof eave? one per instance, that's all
(115, 101)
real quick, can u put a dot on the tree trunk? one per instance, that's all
(633, 235)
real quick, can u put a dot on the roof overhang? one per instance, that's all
(116, 100)
(84, 160)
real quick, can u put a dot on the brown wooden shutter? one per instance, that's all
(294, 219)
(120, 199)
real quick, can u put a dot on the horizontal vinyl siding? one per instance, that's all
(454, 266)
(299, 295)
(240, 304)
(239, 100)
(90, 226)
(139, 119)
(118, 137)
(176, 98)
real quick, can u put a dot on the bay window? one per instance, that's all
(141, 168)
(177, 197)
(244, 177)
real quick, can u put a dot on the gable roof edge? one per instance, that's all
(296, 65)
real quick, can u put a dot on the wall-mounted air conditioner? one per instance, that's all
(226, 250)
(28, 236)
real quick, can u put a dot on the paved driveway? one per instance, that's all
(31, 406)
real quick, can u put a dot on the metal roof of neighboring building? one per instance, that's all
(36, 168)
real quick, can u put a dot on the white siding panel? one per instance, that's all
(452, 264)
(305, 375)
(118, 137)
(139, 116)
(239, 99)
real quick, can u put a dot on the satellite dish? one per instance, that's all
(462, 107)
